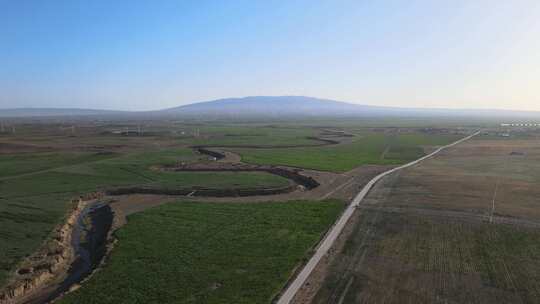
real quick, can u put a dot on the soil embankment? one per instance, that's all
(90, 246)
(217, 155)
(322, 142)
(72, 252)
(293, 174)
(206, 192)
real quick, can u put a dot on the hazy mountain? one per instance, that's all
(43, 112)
(271, 107)
(274, 106)
(285, 106)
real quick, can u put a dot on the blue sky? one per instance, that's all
(139, 55)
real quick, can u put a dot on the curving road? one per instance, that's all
(332, 235)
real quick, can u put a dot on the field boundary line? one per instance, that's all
(344, 185)
(497, 185)
(295, 285)
(456, 215)
(383, 155)
(342, 298)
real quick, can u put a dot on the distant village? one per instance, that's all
(520, 125)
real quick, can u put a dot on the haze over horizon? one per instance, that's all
(135, 56)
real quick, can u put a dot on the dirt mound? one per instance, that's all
(206, 192)
(293, 174)
(322, 142)
(215, 154)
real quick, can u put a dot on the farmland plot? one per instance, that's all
(187, 252)
(399, 258)
(463, 227)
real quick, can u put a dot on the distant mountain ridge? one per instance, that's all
(271, 107)
(43, 112)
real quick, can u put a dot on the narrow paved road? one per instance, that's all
(332, 235)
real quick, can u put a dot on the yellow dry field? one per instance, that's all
(484, 177)
(463, 227)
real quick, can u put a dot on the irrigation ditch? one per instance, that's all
(72, 252)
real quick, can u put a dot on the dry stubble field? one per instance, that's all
(432, 234)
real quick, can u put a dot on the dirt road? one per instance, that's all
(332, 235)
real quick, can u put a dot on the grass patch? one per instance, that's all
(25, 224)
(372, 148)
(15, 164)
(34, 198)
(254, 135)
(208, 253)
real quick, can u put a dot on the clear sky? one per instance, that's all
(138, 55)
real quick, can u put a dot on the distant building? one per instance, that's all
(520, 124)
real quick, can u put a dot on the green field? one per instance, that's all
(263, 135)
(24, 224)
(36, 189)
(36, 186)
(17, 164)
(208, 253)
(371, 148)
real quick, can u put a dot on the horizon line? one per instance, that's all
(274, 96)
